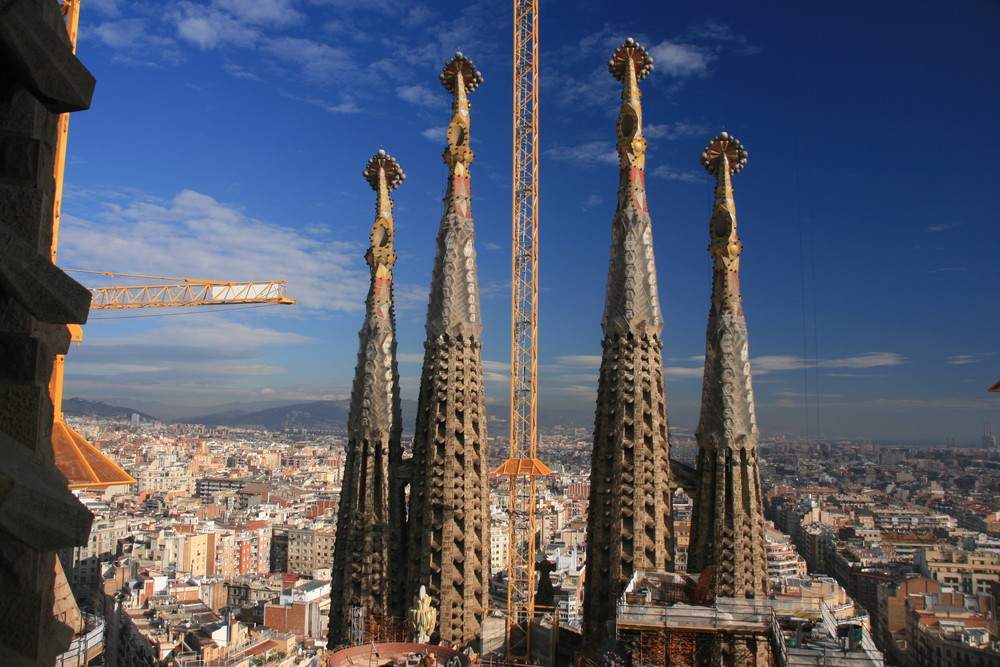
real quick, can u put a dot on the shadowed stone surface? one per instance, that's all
(448, 525)
(38, 515)
(727, 525)
(629, 524)
(367, 562)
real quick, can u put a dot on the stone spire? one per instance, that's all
(368, 555)
(727, 525)
(630, 519)
(448, 542)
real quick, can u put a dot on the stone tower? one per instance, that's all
(368, 552)
(448, 542)
(727, 524)
(629, 524)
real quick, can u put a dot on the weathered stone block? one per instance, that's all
(39, 286)
(35, 48)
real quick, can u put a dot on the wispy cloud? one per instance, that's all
(303, 46)
(964, 359)
(680, 60)
(435, 134)
(682, 372)
(579, 360)
(767, 364)
(672, 131)
(193, 235)
(193, 359)
(941, 227)
(591, 201)
(952, 269)
(240, 72)
(668, 173)
(422, 96)
(586, 155)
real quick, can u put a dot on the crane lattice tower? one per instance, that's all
(367, 559)
(727, 524)
(448, 520)
(629, 525)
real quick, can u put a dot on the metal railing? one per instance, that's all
(731, 613)
(84, 646)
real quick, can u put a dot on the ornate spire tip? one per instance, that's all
(724, 144)
(470, 75)
(634, 51)
(382, 161)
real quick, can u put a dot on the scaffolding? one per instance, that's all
(729, 632)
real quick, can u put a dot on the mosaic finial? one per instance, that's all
(459, 64)
(730, 147)
(634, 51)
(383, 161)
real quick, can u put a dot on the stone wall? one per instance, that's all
(39, 79)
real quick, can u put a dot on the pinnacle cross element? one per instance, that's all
(727, 527)
(367, 554)
(629, 523)
(448, 535)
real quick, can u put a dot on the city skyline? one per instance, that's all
(224, 140)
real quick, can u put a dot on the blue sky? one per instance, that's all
(227, 138)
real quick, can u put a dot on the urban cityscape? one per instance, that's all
(237, 525)
(401, 519)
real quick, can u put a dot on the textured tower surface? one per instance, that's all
(727, 525)
(368, 555)
(448, 542)
(629, 524)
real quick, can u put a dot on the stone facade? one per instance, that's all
(367, 561)
(629, 523)
(448, 545)
(728, 537)
(38, 515)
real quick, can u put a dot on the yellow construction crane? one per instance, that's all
(523, 468)
(83, 465)
(190, 292)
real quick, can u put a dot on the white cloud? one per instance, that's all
(591, 202)
(346, 105)
(580, 360)
(240, 72)
(942, 227)
(435, 134)
(121, 34)
(421, 96)
(867, 360)
(195, 236)
(208, 357)
(496, 371)
(263, 12)
(672, 131)
(682, 373)
(767, 364)
(963, 359)
(589, 154)
(668, 173)
(319, 62)
(680, 60)
(212, 332)
(106, 7)
(208, 28)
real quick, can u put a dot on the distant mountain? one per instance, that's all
(315, 415)
(184, 413)
(279, 415)
(78, 407)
